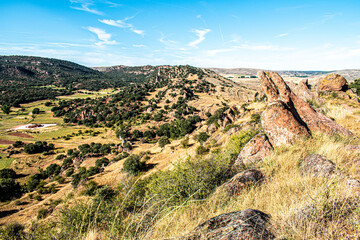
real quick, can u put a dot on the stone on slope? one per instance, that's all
(240, 181)
(276, 89)
(332, 82)
(302, 90)
(248, 224)
(317, 165)
(254, 151)
(280, 125)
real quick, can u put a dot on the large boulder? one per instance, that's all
(254, 151)
(248, 224)
(332, 82)
(302, 90)
(280, 96)
(240, 181)
(280, 125)
(317, 165)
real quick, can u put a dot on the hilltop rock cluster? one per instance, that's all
(287, 117)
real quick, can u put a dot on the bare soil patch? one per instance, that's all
(22, 135)
(3, 141)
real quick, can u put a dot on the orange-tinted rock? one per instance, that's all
(254, 151)
(240, 181)
(332, 82)
(276, 89)
(280, 125)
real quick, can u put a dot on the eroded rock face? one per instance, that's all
(302, 90)
(248, 224)
(332, 82)
(282, 104)
(254, 151)
(318, 165)
(242, 180)
(280, 125)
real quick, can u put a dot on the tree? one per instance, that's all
(202, 137)
(6, 109)
(133, 165)
(163, 141)
(36, 111)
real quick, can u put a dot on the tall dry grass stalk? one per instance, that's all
(284, 192)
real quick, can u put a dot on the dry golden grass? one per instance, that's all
(284, 192)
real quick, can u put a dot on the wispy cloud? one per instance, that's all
(282, 35)
(164, 40)
(104, 37)
(329, 16)
(112, 4)
(200, 33)
(85, 6)
(123, 24)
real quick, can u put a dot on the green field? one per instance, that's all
(5, 162)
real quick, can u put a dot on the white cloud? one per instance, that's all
(282, 35)
(103, 36)
(138, 45)
(112, 4)
(84, 6)
(122, 24)
(201, 36)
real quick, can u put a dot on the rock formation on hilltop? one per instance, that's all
(332, 82)
(288, 116)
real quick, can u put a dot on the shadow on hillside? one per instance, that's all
(149, 166)
(7, 212)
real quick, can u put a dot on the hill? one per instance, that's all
(182, 152)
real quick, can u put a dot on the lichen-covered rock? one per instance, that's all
(332, 82)
(240, 181)
(254, 151)
(280, 97)
(302, 90)
(280, 125)
(248, 224)
(318, 165)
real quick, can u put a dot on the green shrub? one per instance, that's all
(91, 188)
(102, 162)
(9, 189)
(92, 171)
(163, 141)
(7, 173)
(69, 172)
(18, 144)
(201, 150)
(13, 231)
(202, 137)
(133, 165)
(42, 213)
(195, 178)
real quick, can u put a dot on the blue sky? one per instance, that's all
(278, 35)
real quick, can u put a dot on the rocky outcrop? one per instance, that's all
(332, 82)
(280, 124)
(288, 116)
(254, 151)
(317, 165)
(302, 90)
(240, 181)
(248, 224)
